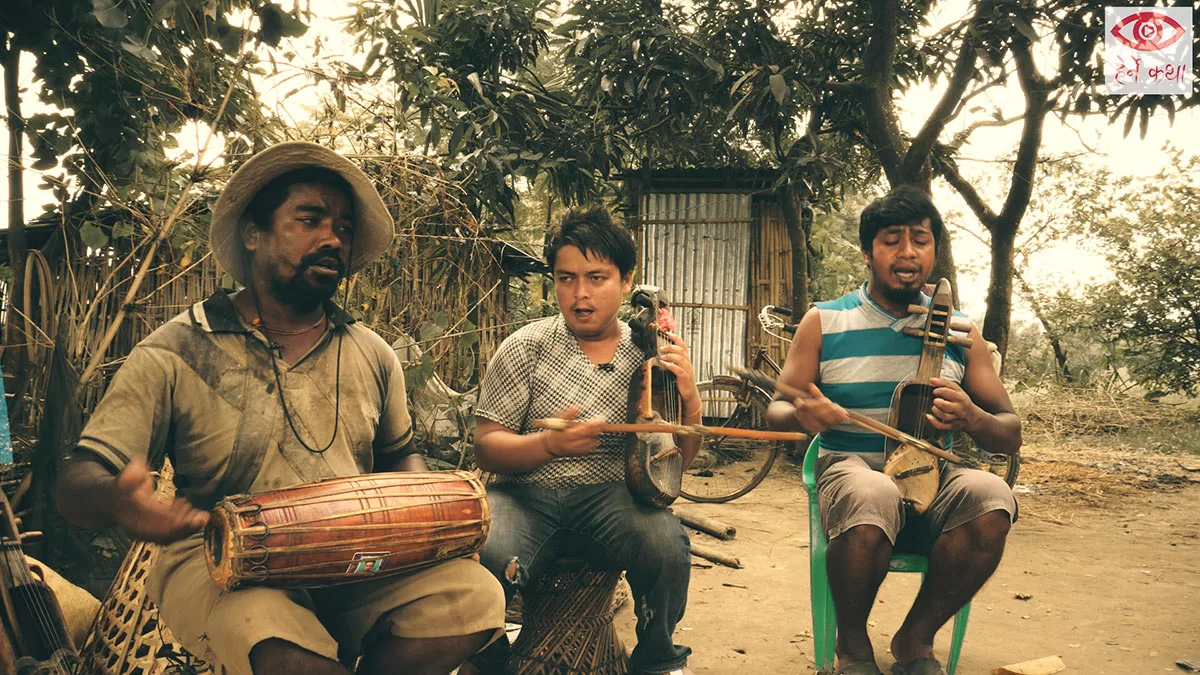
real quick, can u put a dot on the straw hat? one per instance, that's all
(373, 224)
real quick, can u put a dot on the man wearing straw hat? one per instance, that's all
(207, 389)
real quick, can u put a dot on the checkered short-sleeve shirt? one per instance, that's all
(538, 371)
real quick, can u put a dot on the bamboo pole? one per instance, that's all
(707, 525)
(702, 551)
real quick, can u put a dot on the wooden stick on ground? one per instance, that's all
(702, 551)
(707, 525)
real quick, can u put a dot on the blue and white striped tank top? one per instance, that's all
(864, 356)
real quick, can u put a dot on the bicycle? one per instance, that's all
(727, 468)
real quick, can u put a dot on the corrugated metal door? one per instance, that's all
(695, 246)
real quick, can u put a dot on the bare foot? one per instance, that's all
(907, 650)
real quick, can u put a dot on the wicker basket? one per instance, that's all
(567, 624)
(126, 637)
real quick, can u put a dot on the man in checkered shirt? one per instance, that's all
(563, 492)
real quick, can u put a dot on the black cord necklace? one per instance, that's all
(337, 396)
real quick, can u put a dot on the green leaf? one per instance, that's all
(372, 57)
(741, 80)
(456, 138)
(122, 230)
(139, 50)
(1025, 29)
(108, 14)
(430, 331)
(292, 27)
(778, 87)
(418, 373)
(277, 24)
(435, 133)
(230, 38)
(163, 10)
(469, 336)
(473, 78)
(93, 237)
(716, 67)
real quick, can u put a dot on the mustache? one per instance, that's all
(322, 257)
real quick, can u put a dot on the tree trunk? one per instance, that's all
(17, 247)
(798, 236)
(1060, 354)
(943, 266)
(999, 297)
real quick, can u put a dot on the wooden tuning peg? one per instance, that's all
(956, 323)
(959, 340)
(32, 535)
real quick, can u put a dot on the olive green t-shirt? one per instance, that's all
(202, 390)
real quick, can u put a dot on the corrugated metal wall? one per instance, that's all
(696, 247)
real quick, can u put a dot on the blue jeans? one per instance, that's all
(532, 526)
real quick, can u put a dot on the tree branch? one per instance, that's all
(943, 112)
(970, 195)
(877, 78)
(1036, 95)
(961, 137)
(970, 95)
(881, 46)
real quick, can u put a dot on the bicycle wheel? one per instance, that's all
(1007, 470)
(726, 468)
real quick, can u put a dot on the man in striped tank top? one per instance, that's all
(854, 348)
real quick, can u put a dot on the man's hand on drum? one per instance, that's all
(816, 413)
(953, 409)
(577, 439)
(675, 358)
(140, 513)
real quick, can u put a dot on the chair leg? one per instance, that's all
(824, 618)
(956, 638)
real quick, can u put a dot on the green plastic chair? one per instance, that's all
(824, 618)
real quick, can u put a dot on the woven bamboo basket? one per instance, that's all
(567, 624)
(126, 637)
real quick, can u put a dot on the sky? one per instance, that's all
(1061, 267)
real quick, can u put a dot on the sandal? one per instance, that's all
(860, 668)
(925, 666)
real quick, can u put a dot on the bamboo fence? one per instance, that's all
(441, 266)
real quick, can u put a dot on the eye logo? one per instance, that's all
(1148, 31)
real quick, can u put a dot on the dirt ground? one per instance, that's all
(1109, 555)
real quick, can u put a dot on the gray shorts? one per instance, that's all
(852, 493)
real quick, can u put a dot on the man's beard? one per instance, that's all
(902, 296)
(301, 294)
